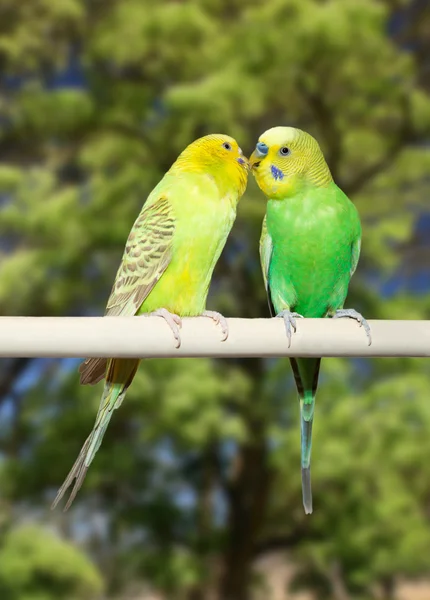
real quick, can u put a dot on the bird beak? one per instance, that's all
(259, 153)
(254, 160)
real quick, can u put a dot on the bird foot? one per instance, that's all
(353, 314)
(219, 319)
(290, 322)
(172, 320)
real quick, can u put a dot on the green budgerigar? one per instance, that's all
(309, 249)
(167, 265)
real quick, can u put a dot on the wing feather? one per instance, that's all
(266, 249)
(355, 255)
(147, 254)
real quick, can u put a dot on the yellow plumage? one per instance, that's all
(168, 263)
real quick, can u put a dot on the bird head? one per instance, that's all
(220, 157)
(285, 159)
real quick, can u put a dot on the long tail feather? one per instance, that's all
(306, 435)
(306, 371)
(119, 375)
(92, 370)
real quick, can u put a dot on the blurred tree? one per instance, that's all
(34, 564)
(199, 471)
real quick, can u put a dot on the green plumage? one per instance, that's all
(309, 248)
(315, 238)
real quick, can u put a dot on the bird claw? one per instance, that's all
(219, 319)
(353, 314)
(173, 321)
(290, 322)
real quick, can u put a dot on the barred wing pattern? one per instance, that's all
(147, 254)
(146, 257)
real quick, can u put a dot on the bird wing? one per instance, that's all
(266, 249)
(147, 254)
(355, 254)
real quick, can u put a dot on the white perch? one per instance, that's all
(151, 337)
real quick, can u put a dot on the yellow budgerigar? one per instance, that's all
(167, 265)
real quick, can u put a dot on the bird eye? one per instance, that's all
(284, 151)
(227, 146)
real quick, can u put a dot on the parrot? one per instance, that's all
(309, 249)
(167, 265)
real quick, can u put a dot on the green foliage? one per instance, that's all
(370, 480)
(35, 565)
(199, 470)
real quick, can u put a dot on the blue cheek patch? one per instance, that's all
(277, 173)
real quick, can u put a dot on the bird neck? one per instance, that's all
(293, 183)
(230, 178)
(299, 184)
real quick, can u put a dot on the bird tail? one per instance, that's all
(306, 371)
(119, 375)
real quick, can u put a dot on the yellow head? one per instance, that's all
(220, 157)
(285, 159)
